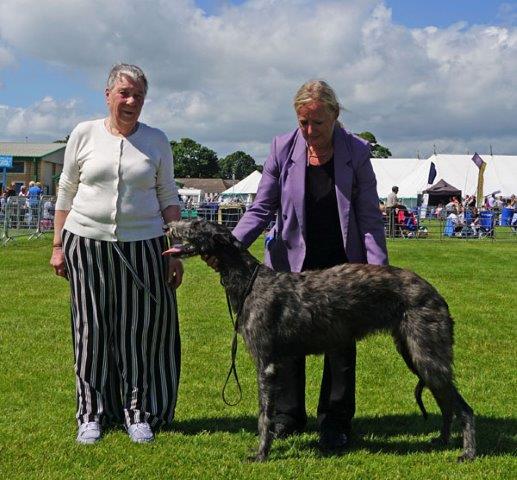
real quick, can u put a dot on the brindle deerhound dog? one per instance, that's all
(294, 314)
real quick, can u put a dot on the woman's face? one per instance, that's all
(317, 124)
(125, 101)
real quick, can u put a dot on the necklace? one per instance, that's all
(319, 157)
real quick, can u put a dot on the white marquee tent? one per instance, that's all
(391, 171)
(457, 170)
(411, 175)
(246, 188)
(500, 174)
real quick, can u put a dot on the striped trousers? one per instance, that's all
(125, 331)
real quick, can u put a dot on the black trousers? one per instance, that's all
(336, 406)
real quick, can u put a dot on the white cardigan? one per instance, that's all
(116, 187)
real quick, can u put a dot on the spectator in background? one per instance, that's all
(438, 210)
(33, 196)
(474, 221)
(469, 202)
(25, 213)
(391, 203)
(455, 221)
(453, 206)
(11, 191)
(392, 200)
(34, 193)
(490, 202)
(48, 210)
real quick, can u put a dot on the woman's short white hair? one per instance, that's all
(132, 71)
(317, 91)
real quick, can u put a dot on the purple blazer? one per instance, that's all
(282, 191)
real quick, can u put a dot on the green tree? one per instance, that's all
(194, 160)
(237, 163)
(378, 150)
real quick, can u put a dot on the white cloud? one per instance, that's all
(6, 57)
(42, 121)
(228, 80)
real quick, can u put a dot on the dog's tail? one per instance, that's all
(418, 397)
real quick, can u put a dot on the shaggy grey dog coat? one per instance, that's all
(313, 312)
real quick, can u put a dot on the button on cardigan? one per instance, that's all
(116, 187)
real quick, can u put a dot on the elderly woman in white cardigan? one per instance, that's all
(116, 192)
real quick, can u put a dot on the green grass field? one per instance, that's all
(212, 440)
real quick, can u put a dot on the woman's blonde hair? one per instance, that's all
(317, 91)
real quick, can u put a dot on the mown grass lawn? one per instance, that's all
(212, 440)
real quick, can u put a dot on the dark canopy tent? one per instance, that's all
(441, 192)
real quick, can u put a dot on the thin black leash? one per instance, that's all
(235, 322)
(139, 283)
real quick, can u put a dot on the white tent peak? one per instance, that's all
(246, 186)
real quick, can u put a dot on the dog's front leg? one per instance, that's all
(266, 385)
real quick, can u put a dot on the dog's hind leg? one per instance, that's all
(426, 332)
(403, 350)
(466, 415)
(419, 388)
(266, 384)
(444, 396)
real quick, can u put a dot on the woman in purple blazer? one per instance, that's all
(319, 182)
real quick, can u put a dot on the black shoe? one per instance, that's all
(332, 440)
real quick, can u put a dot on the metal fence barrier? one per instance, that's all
(19, 218)
(407, 223)
(24, 217)
(431, 223)
(225, 214)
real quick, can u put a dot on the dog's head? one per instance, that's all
(199, 237)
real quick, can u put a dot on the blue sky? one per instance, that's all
(197, 63)
(442, 13)
(416, 13)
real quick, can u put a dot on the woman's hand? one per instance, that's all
(211, 261)
(57, 260)
(175, 272)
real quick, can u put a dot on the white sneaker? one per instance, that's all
(88, 433)
(140, 432)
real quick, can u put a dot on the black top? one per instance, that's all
(324, 238)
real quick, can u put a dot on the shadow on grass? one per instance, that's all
(495, 436)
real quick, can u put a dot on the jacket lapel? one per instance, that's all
(295, 181)
(343, 174)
